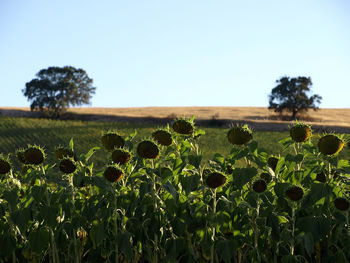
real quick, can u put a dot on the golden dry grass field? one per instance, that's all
(259, 118)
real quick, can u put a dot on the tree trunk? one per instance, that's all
(294, 114)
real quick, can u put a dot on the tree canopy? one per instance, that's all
(55, 89)
(293, 95)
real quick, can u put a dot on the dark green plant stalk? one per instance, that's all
(116, 228)
(256, 229)
(14, 258)
(53, 248)
(212, 249)
(293, 230)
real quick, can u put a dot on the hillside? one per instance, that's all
(259, 118)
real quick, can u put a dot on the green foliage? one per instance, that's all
(292, 95)
(55, 89)
(162, 209)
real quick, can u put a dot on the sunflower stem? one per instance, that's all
(256, 229)
(116, 228)
(14, 259)
(347, 222)
(155, 256)
(212, 252)
(293, 230)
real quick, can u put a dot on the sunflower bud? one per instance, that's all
(62, 152)
(147, 149)
(34, 155)
(239, 135)
(163, 137)
(5, 165)
(215, 180)
(341, 204)
(272, 162)
(121, 156)
(182, 126)
(330, 144)
(111, 140)
(321, 177)
(259, 186)
(295, 193)
(300, 132)
(67, 166)
(113, 173)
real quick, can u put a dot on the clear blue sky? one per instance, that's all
(179, 52)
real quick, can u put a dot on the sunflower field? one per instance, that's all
(158, 200)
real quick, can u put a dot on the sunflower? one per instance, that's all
(163, 137)
(34, 155)
(330, 144)
(215, 180)
(113, 173)
(147, 149)
(183, 126)
(300, 132)
(112, 140)
(239, 135)
(121, 156)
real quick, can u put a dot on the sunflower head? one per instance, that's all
(330, 144)
(239, 135)
(67, 165)
(63, 152)
(34, 155)
(321, 177)
(300, 132)
(113, 173)
(112, 140)
(272, 162)
(162, 137)
(295, 193)
(183, 126)
(259, 186)
(121, 156)
(341, 203)
(147, 149)
(215, 180)
(5, 164)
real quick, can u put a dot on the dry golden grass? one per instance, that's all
(259, 115)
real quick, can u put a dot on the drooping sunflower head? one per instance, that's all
(272, 162)
(341, 203)
(5, 164)
(112, 140)
(300, 132)
(147, 149)
(34, 155)
(239, 135)
(67, 165)
(295, 193)
(321, 177)
(162, 137)
(330, 144)
(121, 156)
(63, 152)
(259, 186)
(215, 180)
(113, 173)
(183, 126)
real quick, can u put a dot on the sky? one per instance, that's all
(144, 53)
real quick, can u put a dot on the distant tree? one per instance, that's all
(293, 95)
(55, 89)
